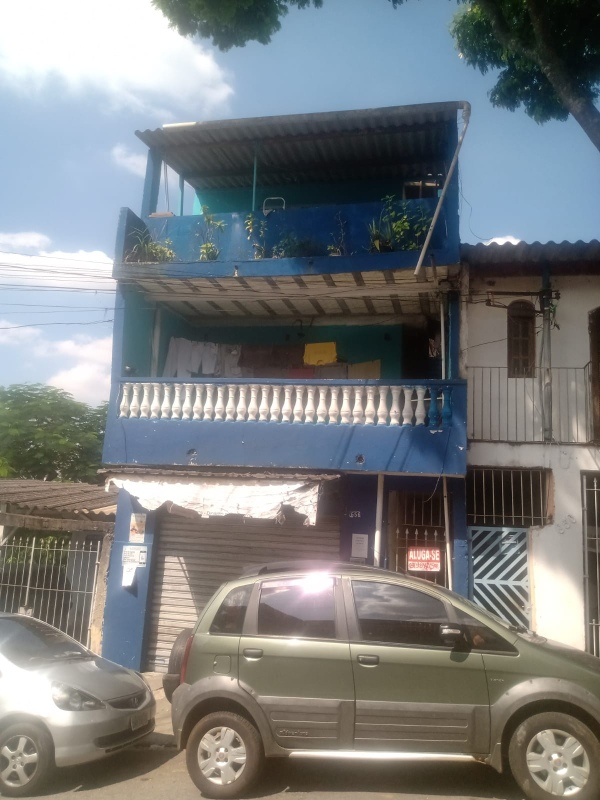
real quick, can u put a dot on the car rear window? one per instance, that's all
(26, 642)
(232, 612)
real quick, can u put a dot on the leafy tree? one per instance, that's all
(48, 435)
(546, 52)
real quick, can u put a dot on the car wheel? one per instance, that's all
(555, 755)
(171, 679)
(26, 759)
(224, 755)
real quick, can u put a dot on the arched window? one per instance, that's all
(521, 339)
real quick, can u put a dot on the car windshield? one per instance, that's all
(485, 613)
(26, 642)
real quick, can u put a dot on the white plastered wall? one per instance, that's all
(556, 550)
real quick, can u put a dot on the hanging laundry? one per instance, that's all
(179, 357)
(230, 357)
(320, 353)
(210, 359)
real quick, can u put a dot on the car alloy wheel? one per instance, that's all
(558, 762)
(555, 755)
(224, 755)
(25, 759)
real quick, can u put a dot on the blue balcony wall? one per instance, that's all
(308, 194)
(350, 448)
(315, 228)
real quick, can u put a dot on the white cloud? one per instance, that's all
(79, 365)
(26, 240)
(123, 51)
(88, 379)
(83, 269)
(503, 240)
(128, 160)
(13, 334)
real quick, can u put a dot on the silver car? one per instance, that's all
(61, 704)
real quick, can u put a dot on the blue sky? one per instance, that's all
(77, 78)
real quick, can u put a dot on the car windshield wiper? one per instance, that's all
(518, 628)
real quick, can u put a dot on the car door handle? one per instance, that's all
(368, 661)
(253, 653)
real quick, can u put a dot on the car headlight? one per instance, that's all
(68, 698)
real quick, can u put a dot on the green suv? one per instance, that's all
(321, 660)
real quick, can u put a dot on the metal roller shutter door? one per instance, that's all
(194, 557)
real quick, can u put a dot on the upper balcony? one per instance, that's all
(282, 195)
(322, 239)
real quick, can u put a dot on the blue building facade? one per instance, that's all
(285, 377)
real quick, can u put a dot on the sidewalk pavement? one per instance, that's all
(163, 731)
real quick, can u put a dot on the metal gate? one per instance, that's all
(500, 572)
(51, 577)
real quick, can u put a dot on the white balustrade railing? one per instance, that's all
(292, 403)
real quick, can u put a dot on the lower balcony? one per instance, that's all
(373, 426)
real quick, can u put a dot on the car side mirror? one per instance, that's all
(451, 635)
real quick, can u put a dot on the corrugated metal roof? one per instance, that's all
(225, 472)
(303, 148)
(534, 254)
(69, 499)
(359, 294)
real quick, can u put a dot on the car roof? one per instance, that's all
(315, 565)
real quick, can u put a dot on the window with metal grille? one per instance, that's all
(520, 338)
(508, 497)
(416, 520)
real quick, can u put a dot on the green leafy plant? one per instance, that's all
(289, 246)
(338, 246)
(257, 235)
(401, 226)
(146, 250)
(208, 231)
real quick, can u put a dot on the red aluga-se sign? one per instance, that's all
(424, 559)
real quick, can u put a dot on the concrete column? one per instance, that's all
(127, 607)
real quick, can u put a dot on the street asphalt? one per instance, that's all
(156, 769)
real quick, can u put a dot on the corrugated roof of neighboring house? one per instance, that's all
(562, 257)
(60, 499)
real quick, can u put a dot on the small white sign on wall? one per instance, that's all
(360, 545)
(133, 554)
(137, 528)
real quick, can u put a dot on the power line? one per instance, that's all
(46, 324)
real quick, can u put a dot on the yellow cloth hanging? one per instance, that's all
(320, 353)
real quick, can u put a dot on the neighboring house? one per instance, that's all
(55, 543)
(279, 360)
(530, 343)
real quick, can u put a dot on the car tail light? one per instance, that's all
(184, 662)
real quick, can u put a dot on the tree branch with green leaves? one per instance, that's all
(545, 53)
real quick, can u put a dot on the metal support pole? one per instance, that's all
(378, 522)
(443, 335)
(447, 533)
(181, 194)
(546, 357)
(466, 116)
(254, 178)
